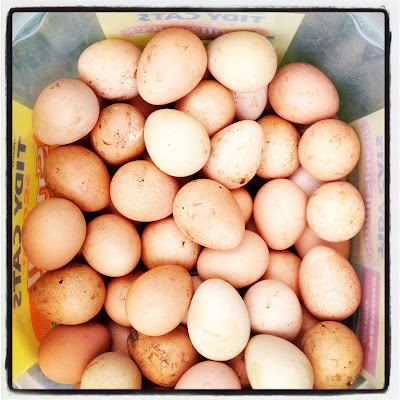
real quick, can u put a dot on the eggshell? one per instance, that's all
(328, 284)
(70, 295)
(218, 321)
(335, 354)
(307, 182)
(308, 322)
(109, 67)
(303, 94)
(53, 233)
(65, 351)
(240, 266)
(77, 174)
(163, 243)
(242, 61)
(159, 299)
(163, 359)
(235, 155)
(275, 363)
(65, 111)
(243, 198)
(250, 105)
(143, 106)
(112, 245)
(211, 103)
(119, 336)
(284, 266)
(118, 136)
(153, 191)
(309, 239)
(197, 281)
(329, 150)
(281, 139)
(117, 290)
(112, 370)
(176, 142)
(208, 214)
(279, 213)
(172, 64)
(336, 211)
(238, 365)
(207, 375)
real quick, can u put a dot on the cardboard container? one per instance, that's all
(350, 47)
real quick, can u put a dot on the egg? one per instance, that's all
(143, 106)
(77, 174)
(110, 67)
(275, 363)
(224, 333)
(164, 243)
(329, 150)
(197, 281)
(70, 295)
(159, 299)
(66, 110)
(172, 64)
(280, 155)
(250, 105)
(307, 182)
(243, 198)
(273, 308)
(303, 94)
(211, 103)
(119, 336)
(65, 351)
(240, 266)
(328, 284)
(118, 136)
(238, 365)
(235, 154)
(117, 290)
(208, 214)
(308, 322)
(53, 233)
(335, 353)
(112, 245)
(284, 266)
(209, 375)
(242, 61)
(280, 213)
(153, 191)
(336, 211)
(176, 142)
(111, 370)
(163, 359)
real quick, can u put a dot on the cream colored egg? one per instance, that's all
(177, 143)
(243, 198)
(242, 61)
(224, 333)
(307, 182)
(275, 363)
(235, 155)
(250, 105)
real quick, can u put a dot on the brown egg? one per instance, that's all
(284, 266)
(118, 134)
(77, 174)
(65, 111)
(161, 81)
(328, 284)
(53, 233)
(243, 198)
(240, 266)
(308, 322)
(212, 375)
(239, 366)
(112, 370)
(281, 140)
(309, 239)
(112, 245)
(153, 191)
(336, 211)
(119, 336)
(329, 150)
(211, 103)
(303, 94)
(77, 386)
(116, 293)
(164, 243)
(279, 213)
(197, 281)
(163, 359)
(335, 354)
(208, 214)
(307, 182)
(159, 299)
(65, 351)
(70, 295)
(143, 106)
